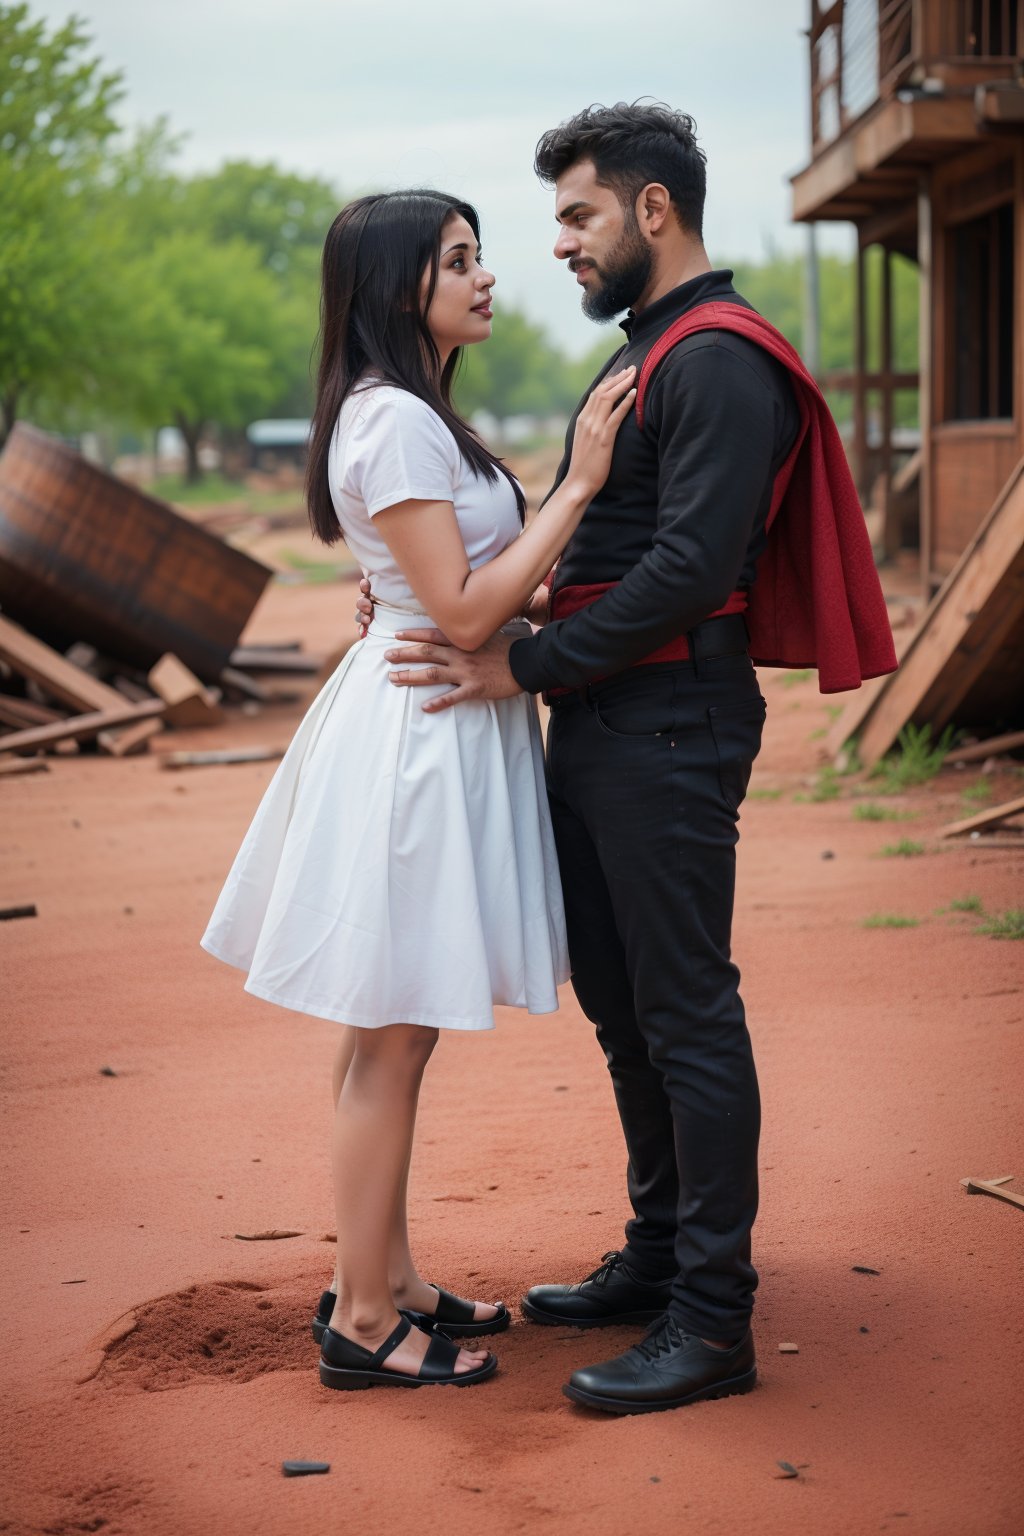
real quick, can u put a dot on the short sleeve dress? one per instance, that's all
(401, 868)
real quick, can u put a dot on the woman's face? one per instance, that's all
(460, 311)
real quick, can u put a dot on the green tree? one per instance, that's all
(57, 296)
(284, 218)
(206, 337)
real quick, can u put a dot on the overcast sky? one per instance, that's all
(405, 92)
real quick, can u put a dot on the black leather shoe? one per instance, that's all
(612, 1294)
(667, 1369)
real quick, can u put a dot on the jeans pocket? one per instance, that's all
(736, 729)
(637, 708)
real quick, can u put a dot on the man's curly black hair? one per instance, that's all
(632, 144)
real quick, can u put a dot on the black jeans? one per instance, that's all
(646, 773)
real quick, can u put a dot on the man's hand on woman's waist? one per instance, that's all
(480, 674)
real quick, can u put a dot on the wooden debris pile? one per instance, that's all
(119, 618)
(59, 703)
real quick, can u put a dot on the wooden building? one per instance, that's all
(917, 138)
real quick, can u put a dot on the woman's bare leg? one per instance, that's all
(373, 1130)
(339, 1072)
(407, 1288)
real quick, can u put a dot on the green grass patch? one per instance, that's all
(1004, 925)
(867, 810)
(904, 849)
(833, 711)
(315, 570)
(791, 679)
(818, 734)
(849, 759)
(917, 759)
(979, 793)
(764, 794)
(967, 904)
(826, 787)
(213, 487)
(889, 920)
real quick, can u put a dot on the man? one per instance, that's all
(656, 719)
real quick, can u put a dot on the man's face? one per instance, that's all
(602, 243)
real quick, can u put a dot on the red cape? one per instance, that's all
(817, 600)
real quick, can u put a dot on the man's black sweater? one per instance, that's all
(679, 523)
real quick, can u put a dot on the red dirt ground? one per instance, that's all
(157, 1370)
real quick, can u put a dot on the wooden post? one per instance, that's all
(860, 426)
(890, 523)
(926, 386)
(1018, 281)
(812, 305)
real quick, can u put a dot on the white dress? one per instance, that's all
(401, 867)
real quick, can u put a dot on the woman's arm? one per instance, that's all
(425, 540)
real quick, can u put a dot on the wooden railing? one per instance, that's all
(980, 29)
(864, 50)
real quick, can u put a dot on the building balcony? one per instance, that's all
(897, 85)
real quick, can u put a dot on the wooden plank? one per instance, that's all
(985, 818)
(188, 701)
(978, 751)
(130, 742)
(244, 684)
(130, 689)
(990, 1187)
(905, 477)
(18, 713)
(257, 658)
(962, 631)
(10, 766)
(32, 658)
(79, 727)
(226, 756)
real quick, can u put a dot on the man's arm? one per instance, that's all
(716, 427)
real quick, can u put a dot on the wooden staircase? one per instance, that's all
(965, 663)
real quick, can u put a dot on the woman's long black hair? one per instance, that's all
(372, 320)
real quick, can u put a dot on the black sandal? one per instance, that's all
(348, 1367)
(455, 1316)
(462, 1325)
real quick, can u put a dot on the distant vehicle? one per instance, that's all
(276, 442)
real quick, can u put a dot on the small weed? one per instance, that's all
(849, 759)
(313, 570)
(889, 920)
(1004, 925)
(833, 711)
(917, 760)
(764, 794)
(967, 904)
(869, 811)
(826, 787)
(818, 734)
(904, 849)
(979, 793)
(790, 679)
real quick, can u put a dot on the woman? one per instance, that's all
(399, 876)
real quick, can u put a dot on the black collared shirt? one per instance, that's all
(679, 523)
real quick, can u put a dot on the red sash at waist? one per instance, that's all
(569, 600)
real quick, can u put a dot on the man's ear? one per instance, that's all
(653, 206)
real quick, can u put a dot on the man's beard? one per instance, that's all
(623, 278)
